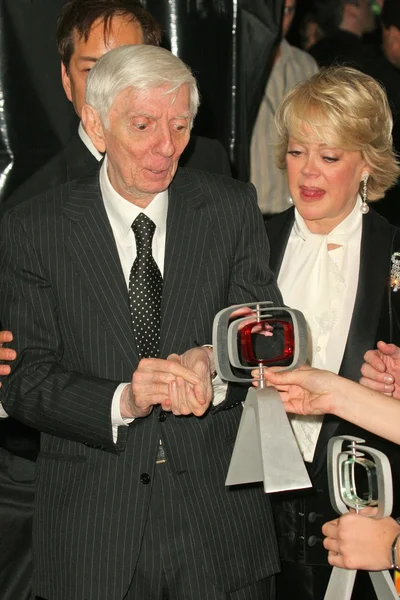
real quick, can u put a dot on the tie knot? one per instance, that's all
(144, 229)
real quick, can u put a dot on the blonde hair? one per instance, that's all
(346, 109)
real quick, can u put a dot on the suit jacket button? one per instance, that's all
(145, 478)
(312, 540)
(291, 536)
(162, 416)
(311, 517)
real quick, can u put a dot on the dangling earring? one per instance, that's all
(290, 201)
(364, 206)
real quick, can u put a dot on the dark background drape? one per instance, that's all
(227, 43)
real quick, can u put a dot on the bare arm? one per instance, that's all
(312, 391)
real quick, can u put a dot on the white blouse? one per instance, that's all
(322, 284)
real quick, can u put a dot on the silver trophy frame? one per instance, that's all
(341, 582)
(265, 447)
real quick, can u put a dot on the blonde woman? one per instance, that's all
(332, 256)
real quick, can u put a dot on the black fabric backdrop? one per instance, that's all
(227, 43)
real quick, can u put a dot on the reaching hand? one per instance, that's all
(304, 391)
(356, 541)
(381, 370)
(6, 354)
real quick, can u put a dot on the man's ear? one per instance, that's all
(65, 80)
(93, 126)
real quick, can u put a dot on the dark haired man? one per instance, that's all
(87, 29)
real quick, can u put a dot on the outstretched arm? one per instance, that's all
(312, 391)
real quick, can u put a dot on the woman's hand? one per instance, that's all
(304, 391)
(356, 541)
(381, 370)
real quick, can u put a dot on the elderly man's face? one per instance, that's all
(147, 133)
(123, 31)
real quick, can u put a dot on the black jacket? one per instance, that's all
(300, 515)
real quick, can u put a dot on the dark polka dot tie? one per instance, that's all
(145, 289)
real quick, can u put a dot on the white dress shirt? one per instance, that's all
(121, 215)
(322, 284)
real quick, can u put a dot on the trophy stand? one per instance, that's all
(265, 447)
(342, 465)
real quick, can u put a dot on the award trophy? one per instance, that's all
(347, 469)
(265, 448)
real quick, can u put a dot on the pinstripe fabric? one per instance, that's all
(292, 66)
(168, 557)
(63, 295)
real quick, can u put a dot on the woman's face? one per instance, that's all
(323, 180)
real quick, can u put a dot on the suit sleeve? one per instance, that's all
(39, 392)
(251, 278)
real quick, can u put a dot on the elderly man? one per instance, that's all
(110, 285)
(87, 29)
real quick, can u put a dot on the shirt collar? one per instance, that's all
(285, 52)
(122, 213)
(346, 228)
(88, 143)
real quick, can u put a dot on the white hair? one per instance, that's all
(140, 67)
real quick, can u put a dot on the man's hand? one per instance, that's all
(305, 391)
(150, 385)
(186, 398)
(356, 541)
(6, 354)
(381, 370)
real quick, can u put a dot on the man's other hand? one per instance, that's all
(6, 354)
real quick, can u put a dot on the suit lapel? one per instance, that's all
(187, 246)
(92, 248)
(371, 291)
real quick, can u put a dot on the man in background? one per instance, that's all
(345, 23)
(385, 68)
(87, 29)
(291, 65)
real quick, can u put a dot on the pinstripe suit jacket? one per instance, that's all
(64, 296)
